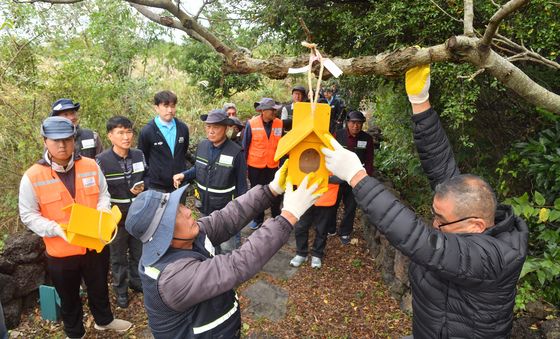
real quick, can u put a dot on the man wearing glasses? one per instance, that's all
(464, 268)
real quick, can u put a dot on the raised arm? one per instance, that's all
(432, 144)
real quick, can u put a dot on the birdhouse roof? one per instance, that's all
(304, 125)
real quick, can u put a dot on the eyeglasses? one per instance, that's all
(435, 215)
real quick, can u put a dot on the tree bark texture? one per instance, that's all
(458, 49)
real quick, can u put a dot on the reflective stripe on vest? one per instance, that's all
(213, 190)
(122, 201)
(219, 321)
(329, 197)
(262, 148)
(53, 196)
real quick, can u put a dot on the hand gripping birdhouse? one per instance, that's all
(304, 141)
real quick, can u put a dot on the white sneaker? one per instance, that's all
(297, 260)
(315, 262)
(117, 325)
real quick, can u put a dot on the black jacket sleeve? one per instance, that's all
(434, 149)
(465, 259)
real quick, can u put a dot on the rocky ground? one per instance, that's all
(343, 299)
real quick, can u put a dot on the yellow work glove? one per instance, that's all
(418, 84)
(278, 184)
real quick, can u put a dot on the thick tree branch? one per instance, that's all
(468, 18)
(508, 74)
(168, 21)
(458, 49)
(190, 24)
(492, 27)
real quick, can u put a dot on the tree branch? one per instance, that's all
(457, 49)
(443, 10)
(492, 27)
(168, 22)
(468, 18)
(50, 1)
(530, 55)
(190, 24)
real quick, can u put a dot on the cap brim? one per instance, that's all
(226, 121)
(59, 136)
(157, 246)
(265, 107)
(67, 107)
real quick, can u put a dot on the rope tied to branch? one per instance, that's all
(314, 55)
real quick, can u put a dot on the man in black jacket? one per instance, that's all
(165, 143)
(220, 170)
(126, 172)
(465, 266)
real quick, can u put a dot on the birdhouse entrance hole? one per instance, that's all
(309, 160)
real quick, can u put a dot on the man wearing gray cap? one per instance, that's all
(59, 179)
(188, 292)
(260, 140)
(219, 170)
(230, 109)
(87, 142)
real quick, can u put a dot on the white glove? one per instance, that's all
(59, 232)
(278, 184)
(417, 84)
(299, 201)
(341, 162)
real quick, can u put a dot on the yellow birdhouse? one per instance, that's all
(304, 142)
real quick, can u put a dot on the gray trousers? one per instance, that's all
(125, 256)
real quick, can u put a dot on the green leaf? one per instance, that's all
(527, 211)
(541, 276)
(539, 199)
(557, 204)
(554, 215)
(544, 214)
(528, 267)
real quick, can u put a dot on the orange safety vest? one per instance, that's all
(262, 148)
(329, 197)
(53, 197)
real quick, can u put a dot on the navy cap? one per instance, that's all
(356, 116)
(56, 128)
(151, 219)
(63, 105)
(266, 103)
(301, 89)
(216, 116)
(237, 122)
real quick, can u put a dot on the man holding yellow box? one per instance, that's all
(60, 179)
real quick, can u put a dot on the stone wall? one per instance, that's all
(392, 264)
(22, 271)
